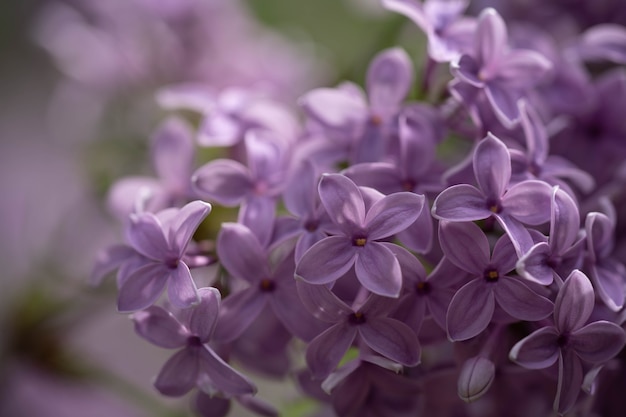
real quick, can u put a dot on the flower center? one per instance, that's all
(491, 275)
(562, 340)
(494, 206)
(359, 241)
(194, 341)
(408, 185)
(267, 285)
(311, 225)
(357, 318)
(376, 120)
(423, 288)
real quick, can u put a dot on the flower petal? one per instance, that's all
(491, 38)
(327, 260)
(181, 288)
(520, 301)
(378, 270)
(392, 339)
(322, 303)
(179, 374)
(470, 311)
(237, 312)
(412, 9)
(534, 267)
(173, 152)
(598, 342)
(142, 288)
(608, 281)
(564, 221)
(529, 202)
(334, 108)
(204, 316)
(504, 102)
(325, 351)
(570, 382)
(185, 224)
(393, 214)
(465, 245)
(492, 166)
(241, 253)
(537, 350)
(461, 203)
(160, 327)
(145, 235)
(108, 261)
(574, 302)
(523, 69)
(222, 180)
(343, 201)
(258, 213)
(389, 78)
(224, 378)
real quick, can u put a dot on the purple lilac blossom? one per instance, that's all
(356, 241)
(570, 342)
(196, 364)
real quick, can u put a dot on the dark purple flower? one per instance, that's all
(196, 364)
(161, 241)
(525, 202)
(358, 231)
(473, 306)
(570, 342)
(386, 336)
(503, 74)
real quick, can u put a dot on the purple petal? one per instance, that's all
(223, 377)
(534, 132)
(181, 289)
(461, 203)
(301, 193)
(237, 312)
(465, 245)
(265, 151)
(325, 351)
(419, 236)
(491, 38)
(126, 194)
(222, 180)
(179, 374)
(382, 176)
(520, 236)
(204, 316)
(574, 303)
(378, 270)
(173, 152)
(598, 342)
(392, 339)
(558, 167)
(145, 235)
(504, 254)
(503, 101)
(389, 78)
(306, 241)
(160, 327)
(207, 406)
(327, 260)
(322, 303)
(605, 41)
(185, 224)
(343, 201)
(537, 350)
(520, 301)
(475, 378)
(608, 280)
(466, 69)
(108, 261)
(411, 9)
(289, 309)
(142, 288)
(528, 202)
(393, 214)
(600, 229)
(492, 166)
(534, 267)
(523, 69)
(334, 108)
(241, 253)
(570, 382)
(258, 214)
(470, 311)
(219, 129)
(564, 222)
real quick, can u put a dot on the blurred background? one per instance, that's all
(77, 105)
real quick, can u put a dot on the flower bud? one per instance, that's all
(475, 378)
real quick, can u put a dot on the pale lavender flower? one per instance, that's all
(244, 257)
(356, 242)
(563, 251)
(570, 342)
(449, 33)
(525, 202)
(503, 74)
(472, 307)
(370, 322)
(160, 242)
(196, 364)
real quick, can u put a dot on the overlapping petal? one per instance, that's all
(223, 377)
(574, 303)
(160, 327)
(392, 339)
(204, 316)
(520, 301)
(241, 253)
(537, 350)
(393, 214)
(470, 311)
(343, 201)
(325, 351)
(598, 342)
(143, 287)
(465, 245)
(181, 288)
(180, 373)
(389, 78)
(222, 180)
(327, 260)
(378, 270)
(461, 203)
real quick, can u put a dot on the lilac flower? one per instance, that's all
(173, 155)
(358, 231)
(562, 253)
(255, 187)
(161, 241)
(386, 336)
(360, 128)
(245, 259)
(196, 364)
(606, 272)
(604, 42)
(473, 306)
(525, 202)
(503, 75)
(570, 342)
(449, 33)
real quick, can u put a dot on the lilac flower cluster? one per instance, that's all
(415, 249)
